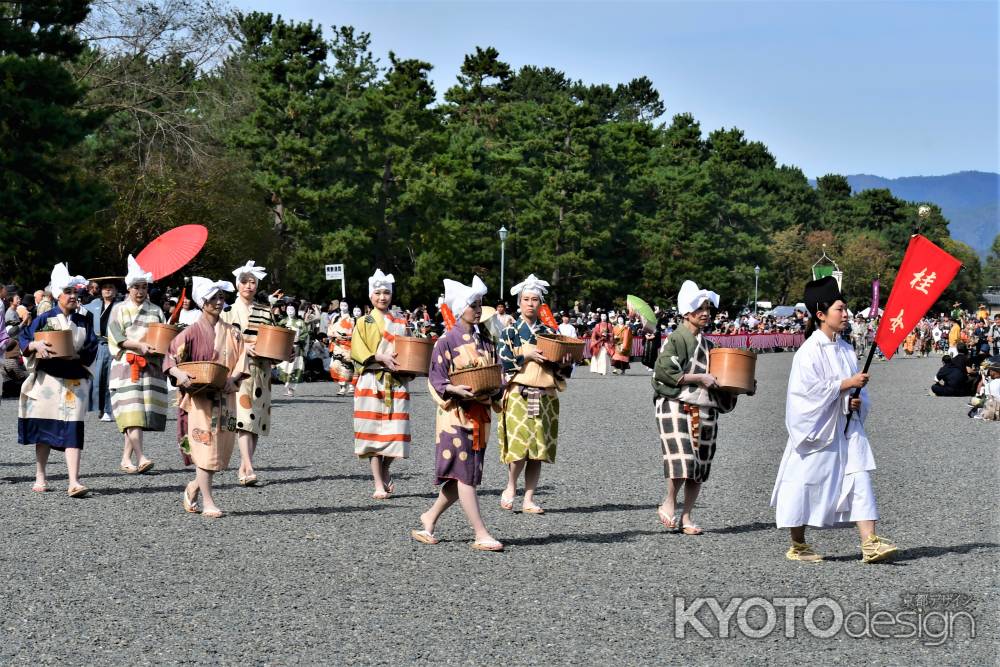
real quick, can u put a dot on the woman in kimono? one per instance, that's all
(382, 396)
(138, 385)
(652, 341)
(825, 474)
(622, 348)
(206, 419)
(602, 346)
(688, 403)
(56, 394)
(290, 372)
(253, 400)
(463, 419)
(529, 424)
(340, 331)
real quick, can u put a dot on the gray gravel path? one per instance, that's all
(308, 569)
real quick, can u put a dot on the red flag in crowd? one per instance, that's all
(925, 272)
(545, 315)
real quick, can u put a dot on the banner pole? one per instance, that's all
(857, 392)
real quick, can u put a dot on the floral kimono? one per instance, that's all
(56, 394)
(463, 425)
(291, 371)
(206, 419)
(253, 400)
(529, 424)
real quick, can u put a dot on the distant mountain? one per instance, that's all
(969, 199)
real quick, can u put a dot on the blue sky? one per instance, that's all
(900, 88)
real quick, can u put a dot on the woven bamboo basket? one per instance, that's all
(159, 336)
(61, 343)
(482, 379)
(274, 343)
(413, 355)
(205, 374)
(555, 347)
(734, 369)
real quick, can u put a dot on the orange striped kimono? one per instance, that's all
(381, 398)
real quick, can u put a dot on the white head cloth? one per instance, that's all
(459, 296)
(380, 280)
(202, 289)
(136, 274)
(256, 271)
(690, 298)
(60, 279)
(531, 284)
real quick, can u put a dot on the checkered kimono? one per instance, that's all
(684, 410)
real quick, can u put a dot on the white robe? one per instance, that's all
(824, 475)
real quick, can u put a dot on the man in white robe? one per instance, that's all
(824, 478)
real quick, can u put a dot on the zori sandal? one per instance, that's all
(424, 536)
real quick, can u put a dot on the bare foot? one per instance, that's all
(426, 523)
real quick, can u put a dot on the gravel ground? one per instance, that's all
(308, 569)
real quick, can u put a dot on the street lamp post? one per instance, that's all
(756, 280)
(503, 242)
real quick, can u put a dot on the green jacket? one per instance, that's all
(672, 361)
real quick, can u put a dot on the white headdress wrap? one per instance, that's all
(380, 280)
(690, 298)
(202, 289)
(531, 284)
(459, 296)
(256, 271)
(60, 279)
(136, 274)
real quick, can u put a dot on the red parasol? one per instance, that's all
(169, 252)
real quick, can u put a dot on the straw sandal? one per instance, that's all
(78, 491)
(424, 536)
(128, 469)
(249, 480)
(145, 467)
(532, 509)
(670, 522)
(487, 546)
(190, 506)
(801, 551)
(876, 549)
(691, 529)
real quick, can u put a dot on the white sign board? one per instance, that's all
(336, 272)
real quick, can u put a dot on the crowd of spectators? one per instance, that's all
(967, 341)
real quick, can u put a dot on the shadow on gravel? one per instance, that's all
(745, 528)
(591, 538)
(916, 553)
(327, 478)
(593, 509)
(307, 401)
(295, 511)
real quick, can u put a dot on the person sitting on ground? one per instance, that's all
(950, 379)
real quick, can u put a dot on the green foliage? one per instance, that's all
(991, 271)
(298, 148)
(44, 196)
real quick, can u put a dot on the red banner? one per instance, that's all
(925, 272)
